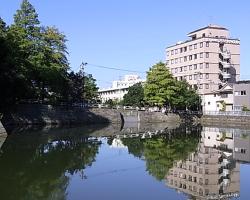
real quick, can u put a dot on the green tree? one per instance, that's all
(52, 64)
(162, 89)
(185, 97)
(25, 34)
(90, 88)
(135, 96)
(160, 86)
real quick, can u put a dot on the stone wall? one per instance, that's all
(47, 114)
(223, 120)
(148, 117)
(2, 130)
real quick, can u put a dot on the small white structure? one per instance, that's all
(119, 88)
(219, 100)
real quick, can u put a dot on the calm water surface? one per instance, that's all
(138, 162)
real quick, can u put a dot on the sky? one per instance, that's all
(133, 34)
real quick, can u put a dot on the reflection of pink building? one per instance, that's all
(209, 173)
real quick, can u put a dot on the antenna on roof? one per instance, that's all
(210, 19)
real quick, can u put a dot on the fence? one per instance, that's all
(227, 113)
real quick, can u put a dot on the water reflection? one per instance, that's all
(200, 162)
(35, 166)
(211, 172)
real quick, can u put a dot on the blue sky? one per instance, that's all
(133, 34)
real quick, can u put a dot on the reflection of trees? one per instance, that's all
(35, 166)
(161, 151)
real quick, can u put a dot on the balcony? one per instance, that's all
(226, 55)
(226, 75)
(225, 172)
(226, 65)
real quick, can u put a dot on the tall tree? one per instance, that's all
(135, 96)
(90, 88)
(160, 85)
(25, 33)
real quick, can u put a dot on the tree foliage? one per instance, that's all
(135, 96)
(34, 64)
(160, 85)
(161, 89)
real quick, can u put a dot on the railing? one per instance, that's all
(227, 113)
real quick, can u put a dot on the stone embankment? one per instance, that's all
(224, 120)
(47, 114)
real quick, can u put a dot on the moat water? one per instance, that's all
(153, 161)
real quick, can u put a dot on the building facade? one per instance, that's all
(207, 61)
(241, 91)
(119, 88)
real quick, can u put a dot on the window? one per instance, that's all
(200, 86)
(201, 76)
(180, 69)
(176, 70)
(172, 52)
(185, 58)
(185, 77)
(203, 35)
(176, 51)
(195, 77)
(185, 68)
(190, 67)
(206, 171)
(185, 49)
(207, 65)
(243, 92)
(180, 60)
(206, 181)
(167, 53)
(167, 62)
(243, 151)
(207, 76)
(207, 87)
(201, 44)
(208, 103)
(195, 56)
(201, 66)
(195, 46)
(207, 55)
(190, 77)
(176, 60)
(190, 57)
(201, 55)
(172, 61)
(195, 66)
(190, 47)
(181, 50)
(207, 44)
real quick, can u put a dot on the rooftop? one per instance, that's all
(210, 26)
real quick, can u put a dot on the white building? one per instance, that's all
(119, 88)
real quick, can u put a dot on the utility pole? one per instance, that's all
(82, 73)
